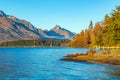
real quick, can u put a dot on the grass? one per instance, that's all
(107, 57)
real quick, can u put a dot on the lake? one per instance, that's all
(45, 64)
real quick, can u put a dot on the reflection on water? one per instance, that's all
(113, 71)
(44, 64)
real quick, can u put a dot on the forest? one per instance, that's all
(32, 43)
(104, 33)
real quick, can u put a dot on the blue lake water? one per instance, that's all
(45, 64)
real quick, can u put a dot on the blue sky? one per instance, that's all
(73, 15)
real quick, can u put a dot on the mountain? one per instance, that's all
(12, 28)
(60, 33)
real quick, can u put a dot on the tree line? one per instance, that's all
(104, 33)
(32, 43)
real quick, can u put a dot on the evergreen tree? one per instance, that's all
(91, 25)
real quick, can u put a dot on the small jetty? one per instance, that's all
(107, 47)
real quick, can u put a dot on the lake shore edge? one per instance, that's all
(106, 57)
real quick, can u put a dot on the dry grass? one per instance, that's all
(108, 57)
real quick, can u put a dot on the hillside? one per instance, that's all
(12, 28)
(105, 33)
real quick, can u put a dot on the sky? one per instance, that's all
(74, 15)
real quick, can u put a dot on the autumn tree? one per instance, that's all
(105, 33)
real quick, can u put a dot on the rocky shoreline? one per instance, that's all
(105, 57)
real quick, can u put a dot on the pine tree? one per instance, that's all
(91, 25)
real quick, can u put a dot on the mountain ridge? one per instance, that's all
(12, 28)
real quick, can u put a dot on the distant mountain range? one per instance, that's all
(12, 28)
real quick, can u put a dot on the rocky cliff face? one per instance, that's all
(12, 28)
